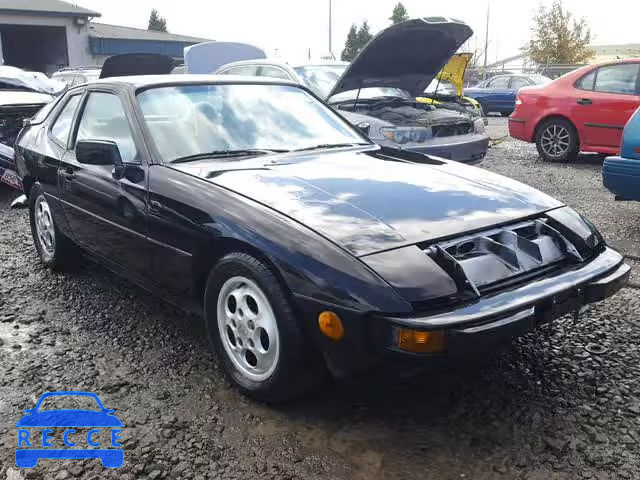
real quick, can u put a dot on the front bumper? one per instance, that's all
(497, 319)
(469, 148)
(621, 176)
(8, 169)
(478, 328)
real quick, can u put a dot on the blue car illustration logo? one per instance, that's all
(41, 446)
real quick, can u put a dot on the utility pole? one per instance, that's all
(330, 22)
(486, 44)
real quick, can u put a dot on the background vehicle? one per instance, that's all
(447, 89)
(585, 110)
(375, 92)
(305, 245)
(22, 95)
(498, 94)
(78, 75)
(621, 174)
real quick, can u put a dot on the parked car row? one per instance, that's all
(306, 246)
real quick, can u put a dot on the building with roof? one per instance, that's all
(46, 35)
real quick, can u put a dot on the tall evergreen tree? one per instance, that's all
(399, 14)
(156, 22)
(351, 45)
(364, 35)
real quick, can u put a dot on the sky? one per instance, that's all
(289, 28)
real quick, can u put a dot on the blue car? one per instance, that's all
(621, 174)
(70, 419)
(498, 94)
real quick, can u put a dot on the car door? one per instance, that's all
(496, 94)
(106, 212)
(602, 103)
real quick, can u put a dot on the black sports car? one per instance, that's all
(303, 244)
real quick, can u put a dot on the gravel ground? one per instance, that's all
(561, 404)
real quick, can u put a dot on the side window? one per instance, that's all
(249, 70)
(621, 78)
(274, 72)
(104, 119)
(62, 125)
(499, 82)
(519, 82)
(588, 81)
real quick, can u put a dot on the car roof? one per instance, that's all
(144, 81)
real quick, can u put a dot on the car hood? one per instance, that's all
(16, 98)
(366, 200)
(208, 57)
(34, 81)
(69, 418)
(129, 64)
(454, 71)
(407, 56)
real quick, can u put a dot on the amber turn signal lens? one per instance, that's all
(331, 325)
(420, 342)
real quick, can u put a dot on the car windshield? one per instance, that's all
(70, 402)
(191, 120)
(322, 78)
(441, 86)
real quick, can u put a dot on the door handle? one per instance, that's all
(584, 101)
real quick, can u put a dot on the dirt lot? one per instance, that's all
(560, 404)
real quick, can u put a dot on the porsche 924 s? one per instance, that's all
(304, 245)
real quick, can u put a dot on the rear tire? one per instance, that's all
(557, 141)
(505, 114)
(254, 332)
(56, 250)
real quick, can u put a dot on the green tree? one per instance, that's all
(364, 35)
(557, 38)
(156, 22)
(351, 45)
(399, 14)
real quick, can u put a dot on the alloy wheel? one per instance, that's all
(248, 328)
(555, 141)
(45, 230)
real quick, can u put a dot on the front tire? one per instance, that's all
(55, 250)
(557, 141)
(254, 332)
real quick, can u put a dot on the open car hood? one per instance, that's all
(407, 56)
(34, 81)
(129, 64)
(453, 72)
(208, 57)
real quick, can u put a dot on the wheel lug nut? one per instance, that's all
(251, 325)
(250, 342)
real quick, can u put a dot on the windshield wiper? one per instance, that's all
(228, 153)
(329, 145)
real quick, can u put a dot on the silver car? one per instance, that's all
(378, 90)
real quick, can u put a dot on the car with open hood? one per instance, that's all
(378, 90)
(305, 246)
(447, 89)
(22, 95)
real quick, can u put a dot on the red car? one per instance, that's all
(582, 111)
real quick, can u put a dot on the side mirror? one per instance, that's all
(100, 152)
(364, 127)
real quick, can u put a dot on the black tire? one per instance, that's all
(565, 132)
(484, 107)
(63, 254)
(297, 368)
(505, 114)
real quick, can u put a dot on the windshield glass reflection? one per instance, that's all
(196, 119)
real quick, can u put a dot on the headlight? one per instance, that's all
(478, 126)
(406, 134)
(581, 228)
